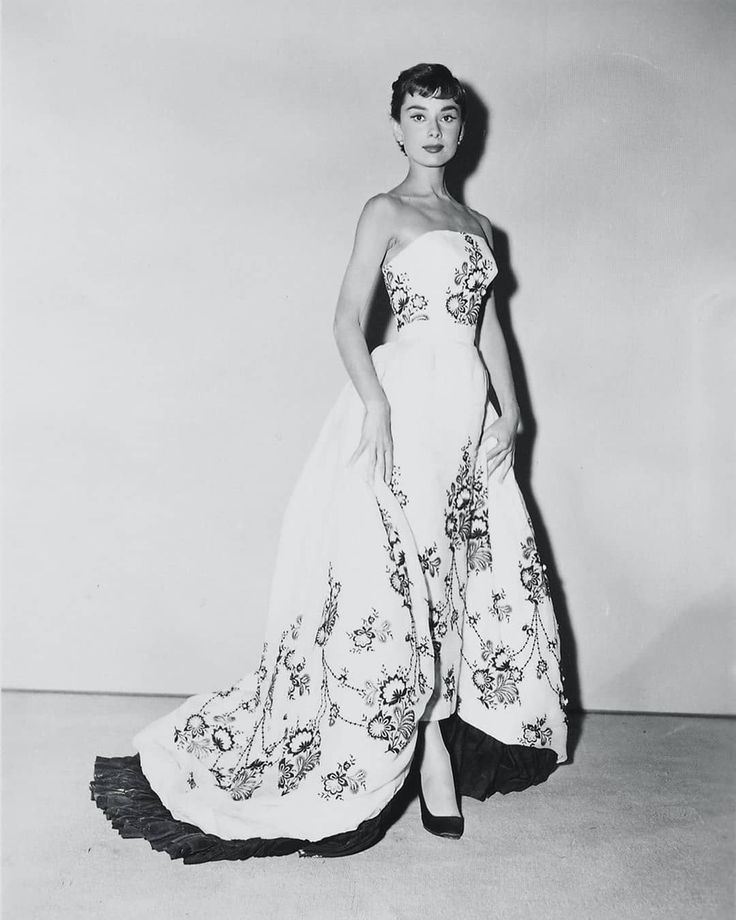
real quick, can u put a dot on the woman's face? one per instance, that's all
(429, 129)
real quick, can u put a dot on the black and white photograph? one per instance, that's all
(368, 460)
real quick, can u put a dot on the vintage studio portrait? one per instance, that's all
(369, 463)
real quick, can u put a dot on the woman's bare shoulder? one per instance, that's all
(484, 223)
(382, 207)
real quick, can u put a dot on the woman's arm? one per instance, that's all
(372, 238)
(505, 428)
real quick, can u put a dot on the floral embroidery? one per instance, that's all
(301, 754)
(536, 733)
(499, 610)
(329, 612)
(394, 722)
(479, 542)
(458, 515)
(498, 683)
(364, 635)
(398, 574)
(223, 738)
(449, 680)
(407, 305)
(335, 783)
(430, 561)
(533, 576)
(195, 738)
(471, 279)
(395, 486)
(241, 783)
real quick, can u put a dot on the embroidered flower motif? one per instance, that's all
(341, 778)
(499, 610)
(299, 741)
(501, 659)
(334, 783)
(395, 486)
(241, 783)
(471, 279)
(329, 611)
(533, 576)
(196, 725)
(302, 753)
(407, 305)
(380, 725)
(223, 738)
(393, 690)
(449, 680)
(429, 560)
(398, 575)
(363, 636)
(458, 515)
(536, 733)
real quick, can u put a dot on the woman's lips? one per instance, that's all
(434, 148)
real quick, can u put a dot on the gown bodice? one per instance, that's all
(436, 285)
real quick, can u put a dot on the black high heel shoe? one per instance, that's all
(451, 826)
(441, 825)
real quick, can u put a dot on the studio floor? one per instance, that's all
(639, 825)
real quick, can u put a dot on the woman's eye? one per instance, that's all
(417, 116)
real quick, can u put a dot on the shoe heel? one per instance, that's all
(450, 826)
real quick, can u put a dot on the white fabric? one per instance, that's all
(388, 605)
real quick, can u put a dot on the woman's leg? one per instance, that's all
(435, 771)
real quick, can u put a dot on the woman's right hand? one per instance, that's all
(376, 443)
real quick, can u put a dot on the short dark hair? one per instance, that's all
(427, 80)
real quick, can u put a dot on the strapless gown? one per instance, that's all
(423, 599)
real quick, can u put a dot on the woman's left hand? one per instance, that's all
(499, 440)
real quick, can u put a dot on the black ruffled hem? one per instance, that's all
(482, 766)
(120, 788)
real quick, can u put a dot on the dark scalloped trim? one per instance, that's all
(482, 766)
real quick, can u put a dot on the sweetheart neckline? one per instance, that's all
(428, 233)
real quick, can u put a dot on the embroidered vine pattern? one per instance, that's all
(464, 299)
(385, 706)
(395, 486)
(499, 670)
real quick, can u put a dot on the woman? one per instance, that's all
(409, 613)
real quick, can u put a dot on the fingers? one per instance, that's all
(507, 464)
(494, 462)
(500, 448)
(358, 451)
(379, 465)
(378, 449)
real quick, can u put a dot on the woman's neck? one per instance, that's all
(425, 181)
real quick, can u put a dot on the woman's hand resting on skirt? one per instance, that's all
(376, 444)
(499, 440)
